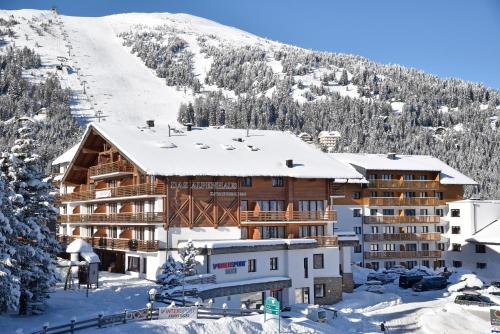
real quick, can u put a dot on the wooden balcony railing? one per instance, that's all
(404, 184)
(429, 219)
(286, 216)
(325, 241)
(398, 201)
(113, 167)
(115, 243)
(125, 191)
(433, 236)
(139, 217)
(402, 254)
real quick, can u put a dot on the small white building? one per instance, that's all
(474, 237)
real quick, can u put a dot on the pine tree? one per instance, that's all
(171, 276)
(188, 258)
(344, 80)
(33, 210)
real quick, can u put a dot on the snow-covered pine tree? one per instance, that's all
(188, 258)
(33, 210)
(9, 282)
(171, 276)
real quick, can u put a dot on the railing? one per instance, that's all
(115, 243)
(269, 216)
(433, 236)
(329, 240)
(429, 219)
(404, 184)
(402, 254)
(125, 191)
(139, 217)
(397, 201)
(113, 167)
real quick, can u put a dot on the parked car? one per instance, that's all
(431, 283)
(380, 277)
(495, 284)
(474, 299)
(397, 269)
(312, 312)
(408, 280)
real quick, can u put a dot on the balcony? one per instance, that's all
(429, 219)
(403, 201)
(126, 191)
(288, 216)
(115, 243)
(108, 218)
(121, 167)
(434, 236)
(326, 241)
(404, 184)
(402, 254)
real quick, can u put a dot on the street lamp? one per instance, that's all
(152, 295)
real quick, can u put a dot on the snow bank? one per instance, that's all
(360, 274)
(466, 281)
(452, 318)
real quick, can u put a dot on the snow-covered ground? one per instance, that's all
(403, 311)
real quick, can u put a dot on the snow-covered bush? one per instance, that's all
(188, 255)
(171, 275)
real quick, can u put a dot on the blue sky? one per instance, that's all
(449, 38)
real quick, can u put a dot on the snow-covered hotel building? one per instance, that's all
(400, 213)
(474, 237)
(258, 204)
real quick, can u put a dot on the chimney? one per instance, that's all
(289, 163)
(189, 126)
(169, 130)
(391, 156)
(150, 123)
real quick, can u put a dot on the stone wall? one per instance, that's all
(333, 290)
(347, 282)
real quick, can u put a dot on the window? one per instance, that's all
(409, 194)
(356, 212)
(424, 246)
(302, 296)
(144, 265)
(388, 194)
(243, 205)
(133, 263)
(409, 177)
(425, 229)
(439, 195)
(386, 177)
(113, 232)
(252, 265)
(410, 212)
(151, 233)
(456, 247)
(357, 229)
(441, 246)
(319, 290)
(314, 205)
(310, 231)
(274, 263)
(480, 249)
(306, 267)
(411, 247)
(390, 247)
(389, 229)
(112, 208)
(318, 261)
(424, 212)
(388, 212)
(373, 212)
(375, 265)
(246, 182)
(426, 263)
(411, 229)
(455, 230)
(457, 264)
(374, 229)
(422, 177)
(356, 194)
(357, 248)
(423, 194)
(481, 265)
(440, 212)
(139, 233)
(151, 206)
(411, 264)
(372, 177)
(389, 264)
(440, 229)
(455, 212)
(374, 247)
(373, 194)
(271, 205)
(139, 206)
(277, 182)
(90, 208)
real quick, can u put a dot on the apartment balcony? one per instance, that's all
(115, 243)
(326, 241)
(433, 236)
(109, 218)
(117, 168)
(404, 184)
(116, 192)
(288, 216)
(402, 254)
(403, 201)
(428, 219)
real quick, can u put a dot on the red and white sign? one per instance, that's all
(178, 312)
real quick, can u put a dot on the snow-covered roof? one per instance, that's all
(66, 157)
(448, 175)
(490, 234)
(221, 152)
(79, 246)
(211, 244)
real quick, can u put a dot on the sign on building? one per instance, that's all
(178, 312)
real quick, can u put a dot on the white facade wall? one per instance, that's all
(180, 234)
(474, 215)
(347, 222)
